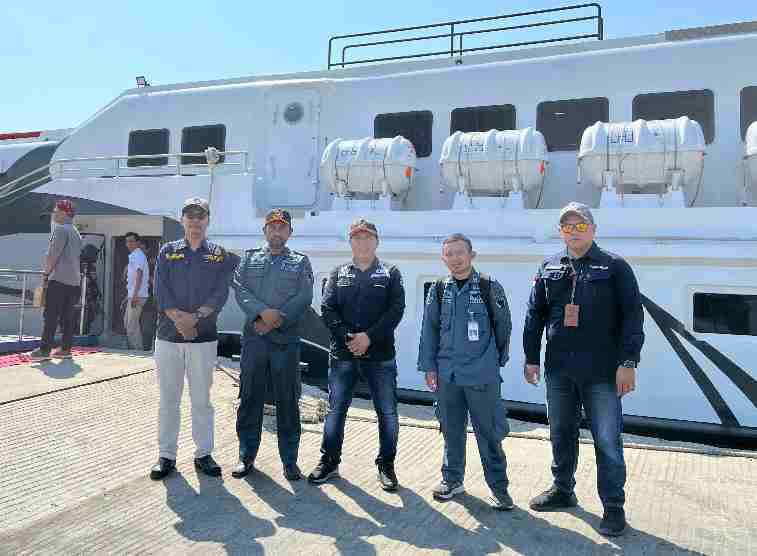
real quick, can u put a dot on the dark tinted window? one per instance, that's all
(196, 139)
(697, 105)
(562, 122)
(413, 126)
(748, 108)
(482, 118)
(720, 313)
(148, 141)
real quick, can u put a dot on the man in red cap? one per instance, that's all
(363, 304)
(62, 279)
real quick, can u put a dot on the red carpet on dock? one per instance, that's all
(23, 358)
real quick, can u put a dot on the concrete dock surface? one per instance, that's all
(78, 439)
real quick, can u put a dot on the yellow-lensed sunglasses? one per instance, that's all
(580, 227)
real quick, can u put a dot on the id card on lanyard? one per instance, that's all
(571, 309)
(473, 332)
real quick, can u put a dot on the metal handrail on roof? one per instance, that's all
(41, 175)
(452, 35)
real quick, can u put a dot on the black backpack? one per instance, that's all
(485, 287)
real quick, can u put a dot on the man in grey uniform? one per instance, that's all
(465, 339)
(274, 287)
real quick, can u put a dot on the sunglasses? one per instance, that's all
(580, 227)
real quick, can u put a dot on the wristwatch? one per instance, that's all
(629, 364)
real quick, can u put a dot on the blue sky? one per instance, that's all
(61, 61)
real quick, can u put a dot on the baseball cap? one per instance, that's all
(66, 206)
(278, 215)
(196, 202)
(362, 225)
(579, 209)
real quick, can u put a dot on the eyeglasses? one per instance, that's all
(580, 227)
(195, 215)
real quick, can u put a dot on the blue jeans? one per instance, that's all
(565, 396)
(381, 377)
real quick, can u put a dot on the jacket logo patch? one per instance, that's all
(174, 256)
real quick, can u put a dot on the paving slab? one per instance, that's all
(74, 481)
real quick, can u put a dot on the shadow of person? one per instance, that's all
(418, 523)
(62, 370)
(213, 514)
(310, 510)
(527, 533)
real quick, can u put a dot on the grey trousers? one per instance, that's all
(278, 365)
(487, 411)
(197, 362)
(131, 323)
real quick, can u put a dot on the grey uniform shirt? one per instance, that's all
(65, 247)
(445, 345)
(283, 282)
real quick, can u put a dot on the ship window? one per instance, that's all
(748, 108)
(697, 105)
(720, 313)
(482, 118)
(562, 122)
(413, 126)
(148, 142)
(196, 139)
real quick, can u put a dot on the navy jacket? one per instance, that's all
(187, 280)
(611, 317)
(372, 302)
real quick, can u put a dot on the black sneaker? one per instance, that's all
(447, 491)
(613, 522)
(292, 472)
(325, 470)
(162, 468)
(208, 466)
(501, 501)
(387, 477)
(243, 468)
(40, 354)
(553, 499)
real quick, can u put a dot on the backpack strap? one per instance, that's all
(484, 285)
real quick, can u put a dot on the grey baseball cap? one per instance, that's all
(579, 209)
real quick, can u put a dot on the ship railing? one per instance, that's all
(455, 35)
(119, 167)
(30, 298)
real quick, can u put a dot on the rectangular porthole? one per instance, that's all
(562, 122)
(148, 142)
(196, 139)
(697, 105)
(482, 118)
(414, 126)
(725, 313)
(748, 109)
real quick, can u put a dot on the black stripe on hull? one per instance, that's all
(670, 326)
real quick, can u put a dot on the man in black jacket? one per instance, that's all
(363, 303)
(589, 302)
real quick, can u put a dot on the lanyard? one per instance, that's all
(575, 277)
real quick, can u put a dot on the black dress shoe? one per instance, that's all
(208, 466)
(243, 468)
(162, 468)
(292, 472)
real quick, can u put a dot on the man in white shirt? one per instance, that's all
(137, 280)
